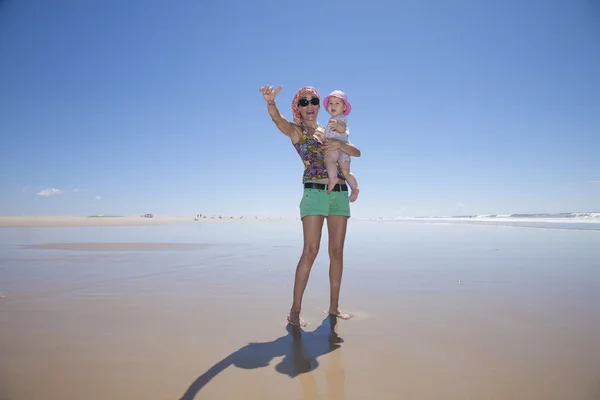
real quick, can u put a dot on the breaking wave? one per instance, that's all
(580, 220)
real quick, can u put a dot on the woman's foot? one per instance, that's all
(354, 195)
(340, 314)
(295, 320)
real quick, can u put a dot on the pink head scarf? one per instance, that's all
(298, 96)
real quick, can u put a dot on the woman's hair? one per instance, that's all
(298, 96)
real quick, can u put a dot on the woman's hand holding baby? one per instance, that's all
(331, 145)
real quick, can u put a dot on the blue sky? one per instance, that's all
(459, 107)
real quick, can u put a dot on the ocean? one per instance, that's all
(578, 221)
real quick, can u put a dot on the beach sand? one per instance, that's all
(198, 312)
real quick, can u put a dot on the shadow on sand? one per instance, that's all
(299, 348)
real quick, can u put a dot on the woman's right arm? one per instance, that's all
(286, 127)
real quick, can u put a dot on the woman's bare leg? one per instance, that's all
(336, 226)
(312, 225)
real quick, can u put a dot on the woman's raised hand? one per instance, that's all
(269, 93)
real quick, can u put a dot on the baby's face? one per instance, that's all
(335, 106)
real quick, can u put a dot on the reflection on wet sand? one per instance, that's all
(335, 375)
(300, 350)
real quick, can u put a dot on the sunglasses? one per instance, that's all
(304, 102)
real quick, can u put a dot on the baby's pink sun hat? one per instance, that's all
(340, 95)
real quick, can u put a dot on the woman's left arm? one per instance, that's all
(334, 144)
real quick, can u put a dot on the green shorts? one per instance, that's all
(318, 202)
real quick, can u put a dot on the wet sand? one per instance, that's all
(128, 246)
(442, 312)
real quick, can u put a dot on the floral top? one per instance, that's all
(309, 150)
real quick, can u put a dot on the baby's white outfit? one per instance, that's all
(331, 133)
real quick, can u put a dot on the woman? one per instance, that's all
(307, 136)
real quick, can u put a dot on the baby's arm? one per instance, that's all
(338, 123)
(340, 126)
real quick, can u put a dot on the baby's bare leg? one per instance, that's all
(351, 179)
(330, 161)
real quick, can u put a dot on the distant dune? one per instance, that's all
(86, 221)
(99, 220)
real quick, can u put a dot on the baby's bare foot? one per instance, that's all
(354, 195)
(340, 314)
(295, 320)
(331, 184)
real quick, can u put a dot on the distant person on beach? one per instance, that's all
(318, 201)
(338, 107)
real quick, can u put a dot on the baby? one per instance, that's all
(338, 106)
